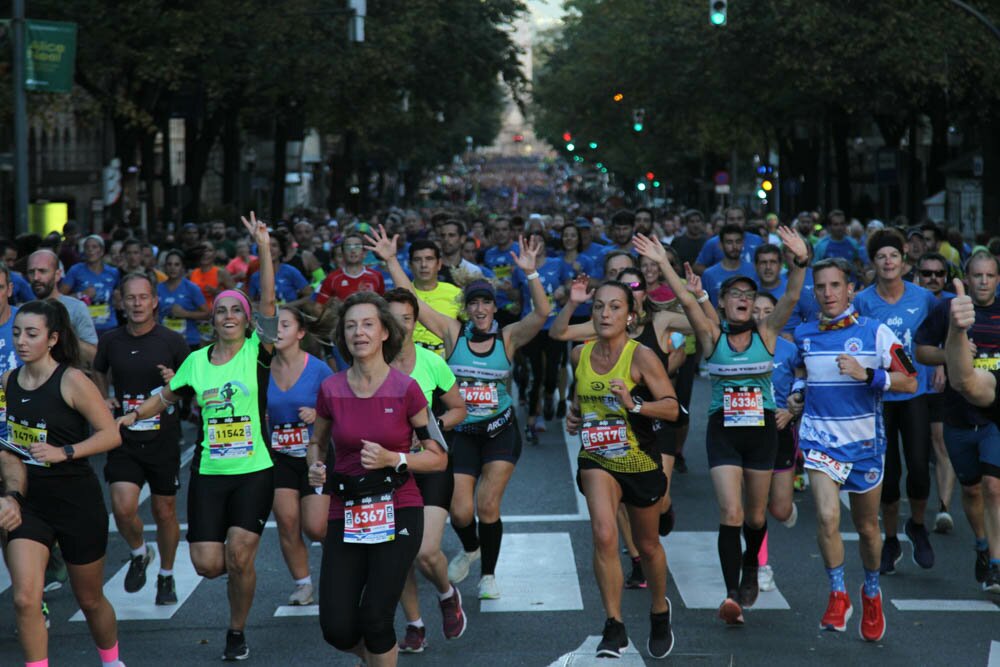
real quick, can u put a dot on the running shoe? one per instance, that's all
(540, 426)
(793, 518)
(301, 596)
(614, 640)
(414, 641)
(488, 589)
(943, 523)
(548, 408)
(982, 565)
(636, 579)
(765, 578)
(56, 573)
(458, 568)
(730, 611)
(748, 586)
(661, 635)
(992, 582)
(45, 614)
(680, 464)
(923, 552)
(838, 612)
(872, 626)
(236, 646)
(135, 578)
(892, 552)
(452, 615)
(166, 590)
(530, 435)
(667, 522)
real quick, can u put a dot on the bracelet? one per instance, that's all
(532, 276)
(163, 400)
(703, 298)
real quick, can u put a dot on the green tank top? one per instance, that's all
(749, 370)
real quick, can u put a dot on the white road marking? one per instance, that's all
(584, 656)
(945, 605)
(297, 610)
(698, 576)
(994, 658)
(536, 572)
(141, 606)
(572, 449)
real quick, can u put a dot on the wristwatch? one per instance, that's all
(637, 407)
(401, 466)
(70, 452)
(803, 264)
(16, 495)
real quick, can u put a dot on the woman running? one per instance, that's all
(182, 304)
(56, 419)
(621, 388)
(376, 522)
(291, 399)
(487, 444)
(741, 437)
(232, 477)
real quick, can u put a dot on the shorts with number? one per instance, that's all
(973, 451)
(752, 447)
(156, 462)
(936, 407)
(785, 458)
(471, 452)
(865, 474)
(291, 472)
(218, 502)
(68, 510)
(639, 489)
(436, 487)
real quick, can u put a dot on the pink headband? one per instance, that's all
(239, 297)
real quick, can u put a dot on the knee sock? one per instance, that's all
(109, 656)
(470, 540)
(754, 537)
(729, 557)
(762, 554)
(871, 582)
(836, 575)
(490, 535)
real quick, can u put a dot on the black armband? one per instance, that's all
(422, 432)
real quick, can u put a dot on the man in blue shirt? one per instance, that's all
(837, 243)
(767, 264)
(498, 260)
(712, 252)
(732, 263)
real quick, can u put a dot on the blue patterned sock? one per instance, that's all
(836, 575)
(995, 562)
(871, 582)
(982, 544)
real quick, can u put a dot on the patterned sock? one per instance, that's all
(836, 575)
(871, 582)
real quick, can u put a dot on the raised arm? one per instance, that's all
(579, 294)
(258, 231)
(975, 385)
(777, 320)
(519, 333)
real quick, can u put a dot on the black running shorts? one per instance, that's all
(639, 489)
(751, 447)
(218, 502)
(155, 462)
(471, 452)
(291, 472)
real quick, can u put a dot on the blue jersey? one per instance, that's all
(845, 248)
(80, 278)
(8, 362)
(582, 264)
(287, 283)
(502, 264)
(285, 427)
(553, 274)
(904, 318)
(717, 274)
(189, 297)
(711, 253)
(807, 308)
(786, 360)
(842, 417)
(595, 253)
(777, 291)
(22, 289)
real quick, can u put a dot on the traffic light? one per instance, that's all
(650, 175)
(767, 185)
(571, 147)
(717, 11)
(567, 136)
(618, 97)
(638, 116)
(656, 184)
(518, 138)
(640, 186)
(593, 145)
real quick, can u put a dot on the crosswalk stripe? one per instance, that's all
(945, 605)
(584, 656)
(141, 606)
(698, 576)
(994, 659)
(536, 572)
(297, 610)
(4, 576)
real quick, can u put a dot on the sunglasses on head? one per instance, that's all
(928, 273)
(634, 285)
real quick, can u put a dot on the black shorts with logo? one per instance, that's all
(639, 489)
(156, 462)
(218, 502)
(753, 447)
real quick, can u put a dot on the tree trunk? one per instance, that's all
(198, 147)
(280, 168)
(842, 159)
(939, 145)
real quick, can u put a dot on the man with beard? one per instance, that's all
(43, 274)
(451, 236)
(732, 263)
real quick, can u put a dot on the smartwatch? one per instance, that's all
(70, 452)
(637, 407)
(401, 466)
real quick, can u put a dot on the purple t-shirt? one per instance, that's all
(383, 418)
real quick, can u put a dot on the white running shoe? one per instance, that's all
(792, 518)
(765, 578)
(458, 568)
(488, 589)
(943, 523)
(301, 596)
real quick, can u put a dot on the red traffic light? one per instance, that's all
(567, 136)
(650, 175)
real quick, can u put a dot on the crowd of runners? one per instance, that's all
(370, 382)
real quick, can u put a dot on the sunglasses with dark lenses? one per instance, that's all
(927, 273)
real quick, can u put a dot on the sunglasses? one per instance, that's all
(353, 246)
(742, 293)
(635, 285)
(927, 273)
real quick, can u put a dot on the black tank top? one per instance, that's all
(648, 338)
(43, 415)
(299, 263)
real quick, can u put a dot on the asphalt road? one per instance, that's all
(550, 606)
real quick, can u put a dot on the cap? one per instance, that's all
(583, 223)
(190, 225)
(732, 280)
(914, 231)
(479, 289)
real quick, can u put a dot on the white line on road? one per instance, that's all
(584, 656)
(945, 605)
(572, 449)
(536, 572)
(297, 610)
(994, 659)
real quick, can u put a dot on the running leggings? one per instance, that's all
(546, 356)
(908, 420)
(360, 584)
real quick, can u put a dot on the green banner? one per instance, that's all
(50, 57)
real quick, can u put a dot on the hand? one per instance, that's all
(308, 415)
(527, 261)
(90, 293)
(166, 373)
(559, 295)
(258, 232)
(317, 474)
(794, 242)
(127, 420)
(796, 402)
(380, 243)
(651, 248)
(939, 380)
(112, 403)
(782, 418)
(10, 514)
(375, 456)
(46, 453)
(963, 312)
(693, 281)
(176, 310)
(573, 420)
(675, 359)
(618, 388)
(578, 292)
(849, 366)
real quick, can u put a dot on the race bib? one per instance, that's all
(178, 324)
(99, 312)
(837, 470)
(369, 520)
(290, 439)
(743, 406)
(23, 435)
(480, 398)
(205, 330)
(131, 404)
(230, 437)
(987, 363)
(607, 438)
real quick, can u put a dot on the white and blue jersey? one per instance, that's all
(717, 274)
(288, 281)
(786, 360)
(595, 252)
(80, 277)
(189, 297)
(904, 318)
(711, 253)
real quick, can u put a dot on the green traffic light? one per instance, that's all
(641, 187)
(599, 165)
(637, 127)
(570, 147)
(604, 170)
(656, 184)
(593, 145)
(717, 18)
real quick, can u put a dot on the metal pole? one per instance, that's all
(20, 123)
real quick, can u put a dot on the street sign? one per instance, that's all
(722, 189)
(51, 56)
(721, 177)
(112, 182)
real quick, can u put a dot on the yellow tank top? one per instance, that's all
(608, 435)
